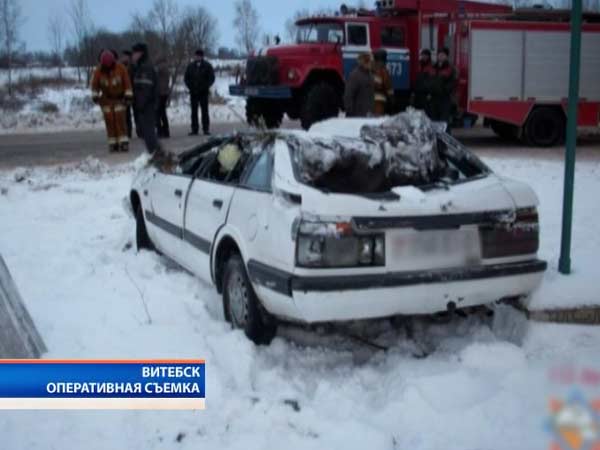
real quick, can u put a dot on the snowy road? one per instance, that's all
(71, 146)
(67, 241)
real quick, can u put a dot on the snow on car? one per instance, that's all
(353, 220)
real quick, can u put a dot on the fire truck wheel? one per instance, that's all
(505, 130)
(252, 112)
(261, 112)
(273, 117)
(545, 127)
(322, 102)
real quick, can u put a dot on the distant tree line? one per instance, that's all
(170, 31)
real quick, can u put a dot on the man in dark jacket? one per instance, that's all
(164, 81)
(444, 85)
(422, 95)
(199, 77)
(145, 95)
(125, 59)
(359, 96)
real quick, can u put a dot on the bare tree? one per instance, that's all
(164, 19)
(246, 24)
(179, 32)
(11, 19)
(81, 29)
(200, 27)
(56, 36)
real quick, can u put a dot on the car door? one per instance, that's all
(252, 205)
(207, 207)
(165, 217)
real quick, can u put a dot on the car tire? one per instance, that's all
(241, 305)
(142, 239)
(322, 102)
(545, 127)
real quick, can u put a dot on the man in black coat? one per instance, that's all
(422, 97)
(199, 77)
(125, 59)
(145, 96)
(359, 94)
(444, 86)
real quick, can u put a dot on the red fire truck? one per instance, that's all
(512, 66)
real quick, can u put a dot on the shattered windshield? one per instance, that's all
(405, 150)
(318, 33)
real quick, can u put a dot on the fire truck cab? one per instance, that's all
(306, 80)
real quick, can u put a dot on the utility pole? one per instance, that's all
(564, 264)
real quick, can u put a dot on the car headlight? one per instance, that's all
(292, 74)
(327, 244)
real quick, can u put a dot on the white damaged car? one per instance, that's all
(353, 220)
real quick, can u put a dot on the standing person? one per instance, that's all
(422, 96)
(359, 96)
(384, 89)
(145, 96)
(125, 59)
(164, 82)
(199, 78)
(111, 89)
(445, 83)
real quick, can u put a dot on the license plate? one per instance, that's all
(436, 248)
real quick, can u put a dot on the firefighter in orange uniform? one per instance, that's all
(384, 89)
(111, 89)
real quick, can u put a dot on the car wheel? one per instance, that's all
(143, 241)
(241, 305)
(545, 127)
(322, 102)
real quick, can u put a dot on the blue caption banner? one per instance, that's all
(152, 379)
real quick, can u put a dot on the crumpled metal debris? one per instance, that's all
(401, 151)
(408, 141)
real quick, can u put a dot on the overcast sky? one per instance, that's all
(116, 15)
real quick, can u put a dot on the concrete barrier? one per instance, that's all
(19, 338)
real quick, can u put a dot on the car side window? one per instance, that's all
(357, 35)
(260, 174)
(225, 164)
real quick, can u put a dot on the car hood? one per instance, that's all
(491, 193)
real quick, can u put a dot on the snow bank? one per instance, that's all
(75, 110)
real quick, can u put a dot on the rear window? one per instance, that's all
(406, 150)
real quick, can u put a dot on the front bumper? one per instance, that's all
(341, 298)
(272, 92)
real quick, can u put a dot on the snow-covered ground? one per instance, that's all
(76, 110)
(68, 243)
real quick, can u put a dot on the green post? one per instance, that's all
(564, 264)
